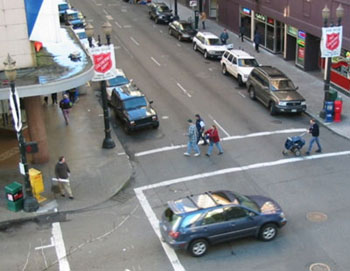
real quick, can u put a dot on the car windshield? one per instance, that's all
(135, 103)
(282, 84)
(73, 16)
(62, 7)
(248, 63)
(82, 35)
(245, 201)
(187, 27)
(163, 8)
(214, 41)
(172, 218)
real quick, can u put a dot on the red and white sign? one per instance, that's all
(104, 62)
(331, 41)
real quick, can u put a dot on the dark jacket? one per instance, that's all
(224, 37)
(314, 130)
(65, 103)
(198, 125)
(62, 170)
(257, 38)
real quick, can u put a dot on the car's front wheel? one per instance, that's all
(156, 21)
(206, 55)
(170, 31)
(272, 108)
(240, 81)
(251, 92)
(195, 46)
(224, 69)
(179, 37)
(198, 247)
(268, 232)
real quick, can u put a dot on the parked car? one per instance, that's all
(274, 90)
(74, 18)
(182, 30)
(239, 64)
(80, 33)
(62, 7)
(160, 13)
(118, 81)
(197, 221)
(133, 109)
(210, 45)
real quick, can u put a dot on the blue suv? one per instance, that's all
(133, 109)
(197, 221)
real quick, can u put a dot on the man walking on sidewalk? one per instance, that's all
(62, 172)
(192, 139)
(314, 130)
(200, 125)
(65, 105)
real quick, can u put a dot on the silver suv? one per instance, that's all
(239, 64)
(275, 90)
(210, 45)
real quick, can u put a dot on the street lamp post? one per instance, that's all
(325, 15)
(30, 203)
(108, 142)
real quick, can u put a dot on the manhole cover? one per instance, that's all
(319, 267)
(316, 216)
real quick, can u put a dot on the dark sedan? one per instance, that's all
(182, 30)
(197, 221)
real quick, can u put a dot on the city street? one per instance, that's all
(122, 233)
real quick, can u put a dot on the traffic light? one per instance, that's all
(31, 147)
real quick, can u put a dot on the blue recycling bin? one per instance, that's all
(329, 109)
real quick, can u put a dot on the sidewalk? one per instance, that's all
(96, 174)
(310, 84)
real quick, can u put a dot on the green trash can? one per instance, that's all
(14, 195)
(332, 95)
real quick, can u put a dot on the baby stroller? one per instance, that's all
(294, 144)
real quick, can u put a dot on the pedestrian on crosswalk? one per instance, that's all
(214, 138)
(200, 125)
(192, 139)
(314, 130)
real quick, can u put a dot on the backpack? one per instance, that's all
(65, 105)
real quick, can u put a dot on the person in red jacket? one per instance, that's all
(214, 138)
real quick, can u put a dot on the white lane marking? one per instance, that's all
(60, 248)
(183, 89)
(244, 168)
(117, 24)
(134, 41)
(174, 260)
(178, 44)
(217, 124)
(155, 61)
(240, 93)
(124, 10)
(161, 31)
(165, 117)
(169, 148)
(210, 69)
(127, 26)
(109, 17)
(105, 12)
(47, 246)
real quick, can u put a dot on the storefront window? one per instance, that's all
(270, 37)
(246, 21)
(301, 48)
(260, 28)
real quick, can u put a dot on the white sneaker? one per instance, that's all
(187, 154)
(197, 154)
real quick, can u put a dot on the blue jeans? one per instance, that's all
(192, 145)
(211, 144)
(312, 141)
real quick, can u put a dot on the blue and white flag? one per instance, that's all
(43, 20)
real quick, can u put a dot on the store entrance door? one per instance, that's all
(213, 8)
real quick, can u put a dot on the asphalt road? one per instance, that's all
(118, 235)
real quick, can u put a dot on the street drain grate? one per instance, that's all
(316, 216)
(319, 267)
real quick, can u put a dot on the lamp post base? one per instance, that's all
(108, 143)
(30, 204)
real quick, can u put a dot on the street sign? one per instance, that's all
(15, 109)
(104, 62)
(193, 3)
(21, 168)
(331, 42)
